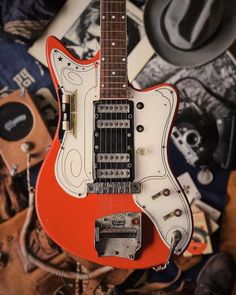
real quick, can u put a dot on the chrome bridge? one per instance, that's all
(114, 187)
(119, 235)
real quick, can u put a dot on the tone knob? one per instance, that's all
(141, 151)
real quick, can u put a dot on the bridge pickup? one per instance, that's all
(119, 234)
(114, 187)
(113, 108)
(113, 124)
(113, 158)
(113, 173)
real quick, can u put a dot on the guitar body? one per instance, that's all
(120, 229)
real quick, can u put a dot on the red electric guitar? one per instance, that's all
(106, 192)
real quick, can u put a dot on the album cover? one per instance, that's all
(77, 26)
(201, 241)
(211, 86)
(207, 105)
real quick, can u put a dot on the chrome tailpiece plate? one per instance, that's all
(119, 234)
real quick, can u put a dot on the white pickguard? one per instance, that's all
(74, 165)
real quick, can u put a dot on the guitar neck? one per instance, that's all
(113, 53)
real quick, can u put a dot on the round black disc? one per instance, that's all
(16, 121)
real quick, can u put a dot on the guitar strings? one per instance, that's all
(127, 95)
(100, 128)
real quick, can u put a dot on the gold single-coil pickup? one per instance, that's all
(113, 108)
(113, 173)
(113, 158)
(113, 124)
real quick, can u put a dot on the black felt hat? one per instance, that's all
(189, 33)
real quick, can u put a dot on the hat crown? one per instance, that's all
(190, 23)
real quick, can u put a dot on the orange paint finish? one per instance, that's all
(70, 222)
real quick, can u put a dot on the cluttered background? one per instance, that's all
(202, 147)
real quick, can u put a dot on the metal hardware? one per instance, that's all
(165, 192)
(26, 147)
(117, 234)
(66, 98)
(176, 212)
(114, 188)
(113, 124)
(14, 169)
(140, 128)
(113, 150)
(113, 108)
(113, 173)
(141, 151)
(113, 158)
(140, 105)
(175, 239)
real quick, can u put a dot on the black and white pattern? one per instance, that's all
(82, 38)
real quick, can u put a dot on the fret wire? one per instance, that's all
(124, 88)
(111, 63)
(112, 76)
(114, 21)
(114, 12)
(120, 82)
(120, 55)
(113, 48)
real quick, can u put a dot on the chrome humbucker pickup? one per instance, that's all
(113, 108)
(119, 235)
(113, 124)
(113, 173)
(113, 158)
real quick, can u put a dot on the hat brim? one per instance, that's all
(216, 45)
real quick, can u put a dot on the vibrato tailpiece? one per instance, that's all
(119, 235)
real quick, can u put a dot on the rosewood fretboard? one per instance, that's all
(113, 74)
